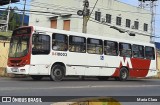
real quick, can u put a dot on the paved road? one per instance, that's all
(76, 87)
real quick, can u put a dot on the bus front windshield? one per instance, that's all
(19, 46)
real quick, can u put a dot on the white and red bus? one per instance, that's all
(39, 52)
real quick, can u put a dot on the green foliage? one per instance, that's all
(14, 18)
(7, 34)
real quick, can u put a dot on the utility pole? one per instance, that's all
(23, 13)
(85, 15)
(8, 16)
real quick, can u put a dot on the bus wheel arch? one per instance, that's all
(57, 71)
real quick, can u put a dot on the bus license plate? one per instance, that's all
(14, 69)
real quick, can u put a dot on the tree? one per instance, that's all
(14, 19)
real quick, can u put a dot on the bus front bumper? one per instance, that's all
(18, 70)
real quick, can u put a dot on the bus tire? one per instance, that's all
(103, 78)
(57, 73)
(36, 77)
(123, 74)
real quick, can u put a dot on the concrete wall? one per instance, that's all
(113, 7)
(4, 53)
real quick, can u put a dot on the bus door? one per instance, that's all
(40, 57)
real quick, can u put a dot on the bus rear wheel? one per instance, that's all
(36, 77)
(123, 74)
(57, 73)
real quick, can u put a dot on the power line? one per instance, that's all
(93, 9)
(36, 11)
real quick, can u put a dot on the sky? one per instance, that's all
(131, 2)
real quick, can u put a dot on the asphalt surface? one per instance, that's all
(75, 87)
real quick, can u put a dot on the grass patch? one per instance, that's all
(7, 34)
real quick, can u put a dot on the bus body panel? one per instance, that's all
(84, 64)
(76, 63)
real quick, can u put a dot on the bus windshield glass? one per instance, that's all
(19, 45)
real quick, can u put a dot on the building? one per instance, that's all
(109, 18)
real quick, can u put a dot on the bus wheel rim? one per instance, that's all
(124, 74)
(57, 73)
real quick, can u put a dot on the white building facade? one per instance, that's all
(109, 18)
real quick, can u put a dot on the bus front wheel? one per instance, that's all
(57, 73)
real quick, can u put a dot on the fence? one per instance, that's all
(4, 48)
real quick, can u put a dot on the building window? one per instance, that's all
(136, 25)
(77, 44)
(94, 46)
(108, 18)
(125, 50)
(149, 53)
(138, 51)
(118, 21)
(110, 48)
(128, 23)
(145, 27)
(98, 16)
(54, 24)
(66, 25)
(59, 42)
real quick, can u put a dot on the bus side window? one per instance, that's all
(40, 44)
(59, 42)
(77, 44)
(94, 46)
(125, 50)
(111, 48)
(149, 53)
(138, 51)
